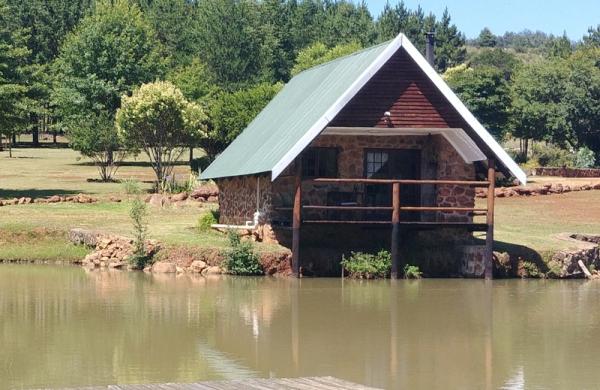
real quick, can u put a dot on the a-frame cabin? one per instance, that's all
(372, 149)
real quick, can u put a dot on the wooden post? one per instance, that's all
(395, 229)
(489, 238)
(296, 219)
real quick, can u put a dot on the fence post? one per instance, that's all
(489, 237)
(395, 229)
(296, 219)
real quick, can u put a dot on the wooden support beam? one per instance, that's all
(395, 230)
(489, 237)
(297, 219)
(399, 181)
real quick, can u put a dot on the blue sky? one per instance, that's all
(551, 16)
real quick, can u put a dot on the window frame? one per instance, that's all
(318, 157)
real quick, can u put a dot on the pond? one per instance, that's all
(64, 326)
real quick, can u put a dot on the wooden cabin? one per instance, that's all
(373, 147)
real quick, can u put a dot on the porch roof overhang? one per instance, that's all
(458, 138)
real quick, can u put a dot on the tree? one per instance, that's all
(95, 137)
(47, 23)
(450, 44)
(232, 112)
(231, 41)
(111, 51)
(539, 110)
(13, 74)
(159, 120)
(593, 36)
(486, 38)
(497, 58)
(485, 91)
(318, 53)
(175, 23)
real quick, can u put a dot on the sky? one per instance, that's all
(550, 16)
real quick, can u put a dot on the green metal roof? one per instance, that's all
(297, 108)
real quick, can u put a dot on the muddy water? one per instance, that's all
(62, 326)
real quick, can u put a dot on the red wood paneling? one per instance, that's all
(401, 88)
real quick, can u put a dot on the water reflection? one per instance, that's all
(63, 326)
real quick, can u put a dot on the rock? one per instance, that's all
(197, 266)
(147, 268)
(83, 237)
(205, 192)
(117, 264)
(179, 197)
(54, 199)
(159, 200)
(115, 199)
(212, 199)
(179, 270)
(164, 267)
(24, 200)
(213, 270)
(596, 186)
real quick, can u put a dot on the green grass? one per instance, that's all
(535, 222)
(39, 245)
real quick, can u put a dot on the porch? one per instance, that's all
(400, 216)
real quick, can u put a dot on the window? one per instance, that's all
(320, 162)
(377, 164)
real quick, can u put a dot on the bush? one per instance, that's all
(532, 270)
(206, 220)
(585, 158)
(132, 187)
(412, 272)
(368, 266)
(198, 165)
(138, 214)
(240, 258)
(172, 186)
(548, 155)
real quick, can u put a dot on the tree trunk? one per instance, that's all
(191, 154)
(54, 137)
(14, 139)
(35, 132)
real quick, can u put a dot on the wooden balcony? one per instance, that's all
(396, 211)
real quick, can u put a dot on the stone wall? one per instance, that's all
(452, 167)
(566, 172)
(237, 198)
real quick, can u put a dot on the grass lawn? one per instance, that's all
(534, 222)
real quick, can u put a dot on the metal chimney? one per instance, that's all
(430, 47)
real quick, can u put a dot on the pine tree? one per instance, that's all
(14, 74)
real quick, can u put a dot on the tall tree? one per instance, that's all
(593, 36)
(175, 23)
(113, 50)
(13, 74)
(486, 38)
(450, 44)
(230, 41)
(318, 53)
(485, 91)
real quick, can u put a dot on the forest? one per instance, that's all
(66, 65)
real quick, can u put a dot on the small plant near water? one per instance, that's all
(532, 270)
(240, 258)
(412, 272)
(138, 214)
(206, 220)
(368, 266)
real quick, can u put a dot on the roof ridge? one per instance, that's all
(344, 57)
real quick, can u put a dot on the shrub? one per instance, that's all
(138, 214)
(368, 266)
(412, 272)
(172, 186)
(585, 158)
(206, 220)
(199, 164)
(532, 269)
(240, 258)
(132, 187)
(548, 155)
